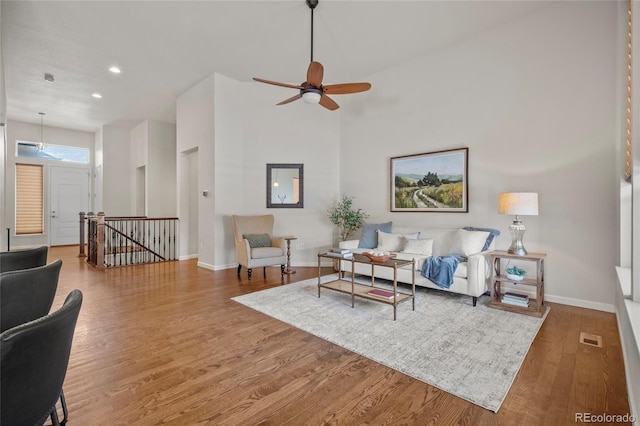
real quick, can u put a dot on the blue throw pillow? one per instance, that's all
(369, 239)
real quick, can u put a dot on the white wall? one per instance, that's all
(161, 170)
(292, 133)
(98, 172)
(195, 130)
(153, 146)
(116, 171)
(188, 209)
(536, 103)
(237, 130)
(19, 131)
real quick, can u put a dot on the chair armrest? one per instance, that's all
(349, 244)
(243, 252)
(279, 242)
(478, 273)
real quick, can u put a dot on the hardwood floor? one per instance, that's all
(164, 344)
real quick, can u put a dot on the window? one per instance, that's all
(29, 199)
(53, 152)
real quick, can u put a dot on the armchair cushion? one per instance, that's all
(258, 240)
(266, 252)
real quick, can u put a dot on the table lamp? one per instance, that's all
(518, 203)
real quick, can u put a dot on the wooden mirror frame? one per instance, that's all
(271, 168)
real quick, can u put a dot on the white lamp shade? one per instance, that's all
(518, 203)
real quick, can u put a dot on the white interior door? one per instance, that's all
(69, 195)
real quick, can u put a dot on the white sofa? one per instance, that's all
(471, 277)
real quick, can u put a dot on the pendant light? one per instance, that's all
(40, 144)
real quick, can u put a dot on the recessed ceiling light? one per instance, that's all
(115, 70)
(97, 95)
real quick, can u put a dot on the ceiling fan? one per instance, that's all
(312, 91)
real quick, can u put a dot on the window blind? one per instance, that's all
(627, 160)
(29, 199)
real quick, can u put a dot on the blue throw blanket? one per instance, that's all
(439, 269)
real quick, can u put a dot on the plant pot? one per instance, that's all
(514, 277)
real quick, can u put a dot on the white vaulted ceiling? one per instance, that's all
(165, 47)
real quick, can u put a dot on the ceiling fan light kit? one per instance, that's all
(312, 91)
(312, 96)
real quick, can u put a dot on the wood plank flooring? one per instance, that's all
(164, 344)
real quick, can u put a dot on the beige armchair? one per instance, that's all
(266, 251)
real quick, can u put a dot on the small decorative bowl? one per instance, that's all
(381, 258)
(514, 277)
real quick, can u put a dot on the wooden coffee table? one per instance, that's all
(349, 286)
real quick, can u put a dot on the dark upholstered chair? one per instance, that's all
(27, 294)
(272, 251)
(23, 259)
(34, 363)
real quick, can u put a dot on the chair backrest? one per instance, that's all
(23, 259)
(27, 294)
(34, 363)
(262, 224)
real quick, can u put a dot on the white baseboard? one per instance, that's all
(216, 267)
(605, 307)
(188, 257)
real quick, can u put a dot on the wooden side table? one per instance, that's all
(536, 306)
(288, 269)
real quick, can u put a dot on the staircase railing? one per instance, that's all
(133, 240)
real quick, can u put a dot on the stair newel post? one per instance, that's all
(82, 219)
(100, 241)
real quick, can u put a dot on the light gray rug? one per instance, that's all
(471, 352)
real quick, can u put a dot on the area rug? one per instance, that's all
(471, 352)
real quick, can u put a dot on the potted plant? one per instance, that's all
(516, 274)
(345, 217)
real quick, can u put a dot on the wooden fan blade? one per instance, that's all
(291, 99)
(328, 103)
(315, 74)
(344, 88)
(275, 83)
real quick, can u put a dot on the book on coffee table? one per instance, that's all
(378, 292)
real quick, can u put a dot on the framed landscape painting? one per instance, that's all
(431, 182)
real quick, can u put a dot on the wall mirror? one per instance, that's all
(285, 186)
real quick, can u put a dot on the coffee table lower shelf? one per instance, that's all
(362, 291)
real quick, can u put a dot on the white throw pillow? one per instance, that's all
(468, 242)
(421, 247)
(393, 242)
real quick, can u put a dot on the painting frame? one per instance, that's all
(430, 182)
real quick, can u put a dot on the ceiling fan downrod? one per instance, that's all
(312, 5)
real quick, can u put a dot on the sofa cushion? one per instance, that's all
(393, 242)
(468, 242)
(369, 237)
(415, 246)
(460, 272)
(258, 240)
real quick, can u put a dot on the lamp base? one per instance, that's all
(517, 230)
(519, 251)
